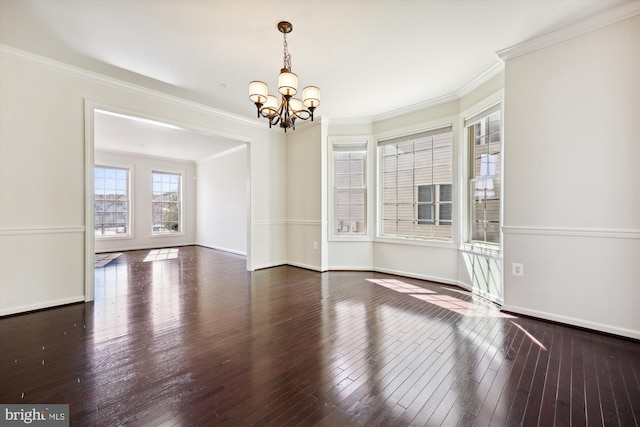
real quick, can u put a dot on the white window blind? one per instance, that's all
(350, 192)
(417, 185)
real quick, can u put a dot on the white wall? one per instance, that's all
(42, 174)
(140, 174)
(305, 176)
(222, 201)
(356, 254)
(572, 180)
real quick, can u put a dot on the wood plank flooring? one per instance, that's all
(190, 338)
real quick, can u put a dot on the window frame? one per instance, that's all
(383, 139)
(346, 144)
(469, 117)
(129, 193)
(181, 225)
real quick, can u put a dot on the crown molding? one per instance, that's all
(91, 76)
(451, 97)
(616, 14)
(302, 125)
(366, 121)
(482, 78)
(611, 16)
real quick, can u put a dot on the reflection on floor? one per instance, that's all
(457, 305)
(104, 259)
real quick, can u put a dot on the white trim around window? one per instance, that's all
(351, 229)
(173, 221)
(431, 129)
(489, 105)
(129, 234)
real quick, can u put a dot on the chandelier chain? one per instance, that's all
(287, 57)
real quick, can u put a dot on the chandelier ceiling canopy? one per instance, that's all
(289, 109)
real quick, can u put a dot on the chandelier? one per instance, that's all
(289, 108)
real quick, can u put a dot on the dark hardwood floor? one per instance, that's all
(190, 338)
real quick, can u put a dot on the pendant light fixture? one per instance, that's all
(289, 108)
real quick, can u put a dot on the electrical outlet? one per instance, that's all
(517, 269)
(315, 245)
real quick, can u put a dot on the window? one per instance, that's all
(166, 202)
(111, 201)
(416, 185)
(434, 204)
(349, 192)
(485, 167)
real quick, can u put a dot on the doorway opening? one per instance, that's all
(128, 207)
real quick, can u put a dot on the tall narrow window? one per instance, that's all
(111, 202)
(166, 202)
(349, 189)
(485, 169)
(416, 185)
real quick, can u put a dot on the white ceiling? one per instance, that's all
(368, 57)
(120, 133)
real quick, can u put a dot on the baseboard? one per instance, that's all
(268, 265)
(350, 268)
(306, 266)
(571, 321)
(219, 248)
(40, 305)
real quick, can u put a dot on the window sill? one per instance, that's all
(446, 244)
(168, 234)
(354, 238)
(107, 238)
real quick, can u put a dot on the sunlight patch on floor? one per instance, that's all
(161, 254)
(531, 337)
(457, 305)
(400, 286)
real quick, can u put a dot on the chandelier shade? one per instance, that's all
(258, 92)
(295, 104)
(287, 82)
(311, 96)
(288, 109)
(270, 108)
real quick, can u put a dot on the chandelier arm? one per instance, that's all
(303, 114)
(274, 120)
(285, 111)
